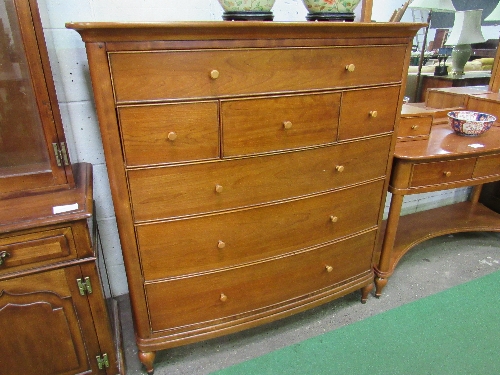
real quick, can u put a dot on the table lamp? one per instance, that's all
(431, 6)
(494, 15)
(466, 30)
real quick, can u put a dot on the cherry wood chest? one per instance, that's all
(248, 163)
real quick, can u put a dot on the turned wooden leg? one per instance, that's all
(380, 283)
(147, 359)
(365, 292)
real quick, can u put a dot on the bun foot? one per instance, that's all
(147, 359)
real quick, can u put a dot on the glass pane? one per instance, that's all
(23, 148)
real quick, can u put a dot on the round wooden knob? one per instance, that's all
(334, 219)
(329, 268)
(172, 136)
(414, 127)
(214, 74)
(447, 174)
(373, 114)
(339, 168)
(350, 67)
(223, 297)
(221, 244)
(287, 124)
(219, 188)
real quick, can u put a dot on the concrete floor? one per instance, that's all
(428, 268)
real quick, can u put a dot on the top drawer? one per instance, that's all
(36, 249)
(160, 75)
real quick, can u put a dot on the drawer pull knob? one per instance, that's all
(214, 74)
(414, 127)
(219, 188)
(221, 244)
(329, 269)
(339, 168)
(3, 256)
(287, 124)
(373, 114)
(350, 67)
(447, 174)
(172, 136)
(334, 219)
(223, 297)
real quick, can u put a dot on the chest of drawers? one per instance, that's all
(248, 164)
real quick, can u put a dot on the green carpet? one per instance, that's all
(453, 332)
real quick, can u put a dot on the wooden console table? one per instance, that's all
(444, 161)
(468, 79)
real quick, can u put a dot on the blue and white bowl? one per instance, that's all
(470, 122)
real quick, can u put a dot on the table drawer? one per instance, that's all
(414, 127)
(442, 172)
(205, 298)
(159, 193)
(366, 112)
(36, 249)
(210, 242)
(168, 133)
(487, 166)
(207, 73)
(253, 126)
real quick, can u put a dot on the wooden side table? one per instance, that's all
(468, 79)
(444, 161)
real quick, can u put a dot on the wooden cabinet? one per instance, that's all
(33, 153)
(248, 165)
(53, 315)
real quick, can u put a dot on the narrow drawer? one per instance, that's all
(168, 133)
(159, 193)
(442, 172)
(36, 249)
(234, 292)
(253, 126)
(368, 111)
(414, 127)
(487, 166)
(210, 242)
(160, 75)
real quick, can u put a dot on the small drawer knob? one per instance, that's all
(219, 188)
(221, 244)
(447, 174)
(350, 67)
(339, 168)
(334, 219)
(223, 297)
(172, 136)
(414, 127)
(373, 114)
(329, 268)
(3, 256)
(287, 124)
(214, 74)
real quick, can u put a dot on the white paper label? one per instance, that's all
(68, 207)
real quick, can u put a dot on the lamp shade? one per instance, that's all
(495, 15)
(433, 5)
(466, 28)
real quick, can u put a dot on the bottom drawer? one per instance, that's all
(212, 298)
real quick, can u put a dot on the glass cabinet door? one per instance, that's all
(32, 149)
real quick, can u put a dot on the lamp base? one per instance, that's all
(459, 56)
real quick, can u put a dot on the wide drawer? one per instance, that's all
(442, 172)
(161, 75)
(252, 126)
(368, 111)
(487, 166)
(214, 241)
(232, 293)
(206, 187)
(36, 249)
(154, 134)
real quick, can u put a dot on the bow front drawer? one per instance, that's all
(442, 172)
(169, 74)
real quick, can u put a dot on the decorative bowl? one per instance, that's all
(331, 6)
(470, 122)
(247, 5)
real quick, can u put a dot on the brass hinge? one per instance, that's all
(102, 362)
(61, 154)
(84, 286)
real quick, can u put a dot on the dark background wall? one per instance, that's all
(445, 20)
